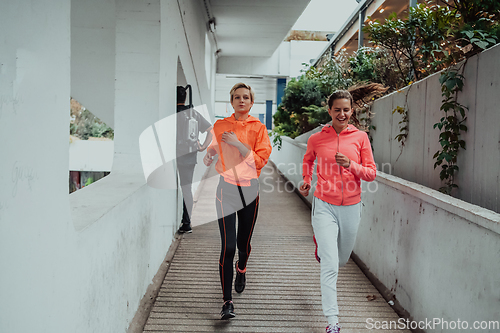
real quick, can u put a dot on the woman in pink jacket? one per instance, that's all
(344, 158)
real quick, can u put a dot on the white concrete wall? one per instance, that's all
(87, 155)
(478, 178)
(93, 56)
(278, 64)
(288, 160)
(437, 254)
(82, 262)
(286, 61)
(303, 51)
(37, 240)
(263, 87)
(261, 74)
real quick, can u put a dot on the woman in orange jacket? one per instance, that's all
(344, 158)
(243, 146)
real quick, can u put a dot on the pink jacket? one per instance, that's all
(338, 185)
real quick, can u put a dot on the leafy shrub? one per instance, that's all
(415, 43)
(84, 124)
(430, 38)
(374, 64)
(290, 118)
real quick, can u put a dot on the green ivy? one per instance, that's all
(450, 125)
(403, 125)
(453, 122)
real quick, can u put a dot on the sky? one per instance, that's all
(325, 15)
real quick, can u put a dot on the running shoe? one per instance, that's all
(333, 328)
(185, 228)
(316, 251)
(240, 280)
(227, 311)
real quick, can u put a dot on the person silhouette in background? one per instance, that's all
(189, 124)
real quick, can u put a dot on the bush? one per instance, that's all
(415, 43)
(291, 118)
(430, 38)
(304, 102)
(374, 64)
(433, 37)
(84, 124)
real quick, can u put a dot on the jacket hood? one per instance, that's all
(329, 128)
(250, 119)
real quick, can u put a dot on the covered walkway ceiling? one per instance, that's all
(253, 28)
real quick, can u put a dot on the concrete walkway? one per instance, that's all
(283, 290)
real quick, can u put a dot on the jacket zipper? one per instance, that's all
(340, 170)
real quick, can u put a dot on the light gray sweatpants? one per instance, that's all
(335, 229)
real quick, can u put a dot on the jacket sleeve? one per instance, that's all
(261, 151)
(367, 170)
(308, 161)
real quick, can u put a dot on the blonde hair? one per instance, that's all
(242, 85)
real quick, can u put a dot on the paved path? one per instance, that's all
(283, 290)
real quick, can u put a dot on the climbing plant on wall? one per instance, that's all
(430, 38)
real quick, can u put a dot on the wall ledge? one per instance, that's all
(89, 204)
(480, 216)
(294, 142)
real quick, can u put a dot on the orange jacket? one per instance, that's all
(237, 169)
(338, 185)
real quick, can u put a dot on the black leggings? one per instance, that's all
(186, 177)
(234, 200)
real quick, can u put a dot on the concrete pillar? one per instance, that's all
(36, 236)
(93, 56)
(137, 90)
(362, 14)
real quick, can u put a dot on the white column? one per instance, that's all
(93, 56)
(137, 90)
(36, 237)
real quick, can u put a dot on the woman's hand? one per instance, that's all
(342, 160)
(230, 138)
(208, 159)
(304, 189)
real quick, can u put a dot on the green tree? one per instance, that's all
(333, 74)
(290, 118)
(472, 12)
(415, 43)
